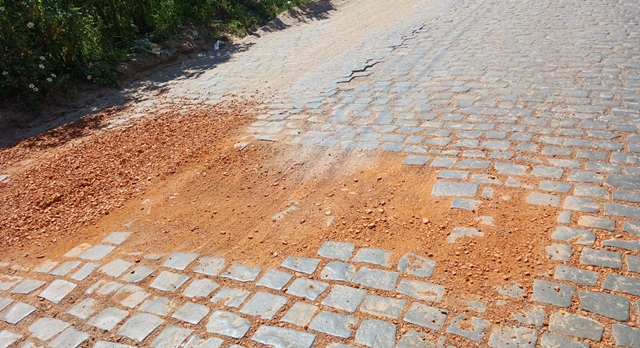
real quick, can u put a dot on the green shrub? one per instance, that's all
(46, 44)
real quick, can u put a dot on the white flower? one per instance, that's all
(5, 73)
(1, 8)
(32, 86)
(30, 25)
(53, 75)
(41, 66)
(41, 57)
(49, 79)
(89, 77)
(35, 89)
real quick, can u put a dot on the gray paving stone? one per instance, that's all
(115, 268)
(421, 290)
(345, 298)
(417, 339)
(550, 340)
(96, 252)
(84, 271)
(137, 274)
(7, 338)
(453, 174)
(231, 297)
(65, 268)
(416, 265)
(179, 261)
(241, 273)
(487, 192)
(610, 306)
(27, 286)
(69, 338)
(581, 204)
(535, 316)
(616, 282)
(140, 326)
(5, 302)
(171, 337)
(376, 333)
(307, 288)
(584, 176)
(282, 337)
(597, 222)
(7, 282)
(576, 325)
(633, 265)
(300, 314)
(626, 336)
(538, 198)
(555, 186)
(200, 288)
(196, 342)
(593, 191)
(485, 179)
(472, 163)
(74, 252)
(556, 294)
(465, 203)
(83, 309)
(508, 337)
(191, 313)
(383, 306)
(560, 252)
(476, 333)
(454, 189)
(375, 278)
(302, 265)
(623, 181)
(631, 245)
(459, 232)
(45, 328)
(576, 275)
(167, 281)
(373, 256)
(333, 324)
(509, 168)
(108, 318)
(336, 250)
(46, 266)
(117, 238)
(513, 290)
(134, 299)
(575, 235)
(211, 266)
(564, 217)
(416, 160)
(264, 305)
(57, 290)
(601, 258)
(623, 210)
(443, 162)
(159, 306)
(335, 270)
(427, 316)
(547, 172)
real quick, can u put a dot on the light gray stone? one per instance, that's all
(46, 267)
(96, 252)
(27, 286)
(576, 325)
(134, 299)
(345, 298)
(576, 275)
(616, 282)
(300, 314)
(115, 268)
(196, 342)
(476, 333)
(228, 324)
(427, 316)
(167, 281)
(83, 309)
(608, 305)
(560, 252)
(631, 245)
(137, 274)
(376, 333)
(581, 204)
(211, 266)
(171, 337)
(230, 297)
(65, 268)
(200, 288)
(307, 288)
(84, 271)
(597, 222)
(45, 328)
(335, 270)
(302, 265)
(373, 256)
(506, 337)
(179, 261)
(538, 198)
(117, 238)
(454, 189)
(556, 294)
(419, 339)
(535, 316)
(576, 235)
(421, 290)
(108, 318)
(336, 250)
(416, 265)
(57, 290)
(622, 210)
(550, 340)
(264, 305)
(282, 337)
(69, 338)
(7, 338)
(383, 306)
(274, 279)
(333, 324)
(465, 203)
(459, 232)
(626, 336)
(375, 278)
(159, 306)
(140, 326)
(191, 313)
(241, 273)
(601, 258)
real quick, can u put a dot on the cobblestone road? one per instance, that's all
(539, 95)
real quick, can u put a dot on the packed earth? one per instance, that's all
(359, 173)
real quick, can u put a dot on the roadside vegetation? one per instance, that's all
(47, 45)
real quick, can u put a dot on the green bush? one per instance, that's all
(47, 44)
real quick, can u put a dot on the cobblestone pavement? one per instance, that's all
(543, 96)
